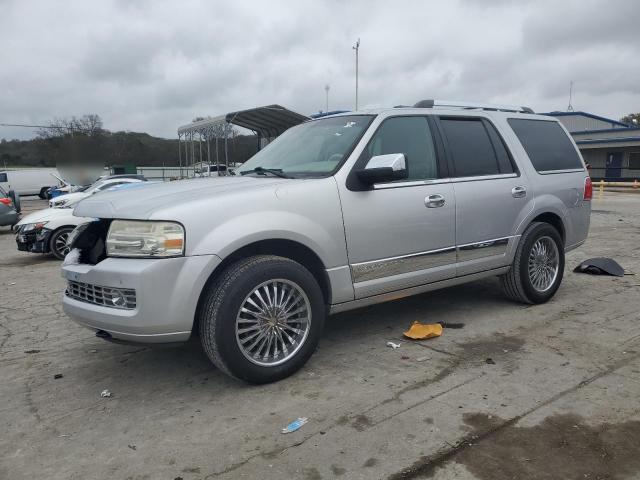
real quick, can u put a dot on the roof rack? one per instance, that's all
(472, 106)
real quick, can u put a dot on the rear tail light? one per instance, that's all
(5, 201)
(588, 189)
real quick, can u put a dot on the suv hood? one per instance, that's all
(143, 202)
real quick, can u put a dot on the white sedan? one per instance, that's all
(70, 199)
(47, 231)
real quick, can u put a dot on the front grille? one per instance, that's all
(106, 296)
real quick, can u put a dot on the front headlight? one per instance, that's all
(136, 238)
(30, 227)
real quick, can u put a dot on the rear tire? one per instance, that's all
(538, 266)
(58, 242)
(262, 318)
(43, 193)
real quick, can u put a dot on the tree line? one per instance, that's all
(84, 140)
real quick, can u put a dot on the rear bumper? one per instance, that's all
(167, 293)
(9, 218)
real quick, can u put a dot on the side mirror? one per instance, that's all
(384, 168)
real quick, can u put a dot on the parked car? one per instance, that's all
(70, 199)
(47, 231)
(9, 208)
(337, 213)
(28, 181)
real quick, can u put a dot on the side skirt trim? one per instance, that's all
(407, 292)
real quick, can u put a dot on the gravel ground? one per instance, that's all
(528, 392)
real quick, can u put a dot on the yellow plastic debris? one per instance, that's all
(421, 331)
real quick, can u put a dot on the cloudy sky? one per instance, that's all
(152, 66)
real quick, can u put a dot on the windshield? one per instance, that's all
(313, 149)
(99, 185)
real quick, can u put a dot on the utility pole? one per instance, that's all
(326, 89)
(570, 107)
(356, 47)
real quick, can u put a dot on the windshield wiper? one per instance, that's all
(274, 171)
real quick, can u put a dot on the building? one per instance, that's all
(610, 147)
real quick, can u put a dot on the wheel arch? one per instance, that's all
(286, 248)
(554, 220)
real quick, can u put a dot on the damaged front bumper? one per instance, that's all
(34, 241)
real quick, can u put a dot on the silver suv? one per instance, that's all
(337, 213)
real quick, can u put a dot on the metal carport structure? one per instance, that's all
(266, 122)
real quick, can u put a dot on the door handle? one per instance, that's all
(434, 201)
(518, 192)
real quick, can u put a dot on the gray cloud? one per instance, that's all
(151, 66)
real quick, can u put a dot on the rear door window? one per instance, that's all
(3, 178)
(546, 144)
(476, 147)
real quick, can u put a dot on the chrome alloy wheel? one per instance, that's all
(544, 262)
(273, 322)
(60, 244)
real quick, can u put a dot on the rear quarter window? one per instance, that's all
(547, 145)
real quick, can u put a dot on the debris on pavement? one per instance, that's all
(421, 359)
(132, 447)
(600, 266)
(393, 345)
(32, 351)
(105, 394)
(57, 376)
(404, 357)
(451, 325)
(295, 425)
(490, 361)
(422, 331)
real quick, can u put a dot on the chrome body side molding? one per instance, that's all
(388, 267)
(403, 264)
(488, 248)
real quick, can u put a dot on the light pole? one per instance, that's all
(326, 89)
(356, 47)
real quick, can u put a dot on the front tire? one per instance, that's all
(58, 242)
(538, 266)
(262, 318)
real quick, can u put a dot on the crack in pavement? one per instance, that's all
(427, 464)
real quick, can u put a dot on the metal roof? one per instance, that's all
(588, 115)
(268, 121)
